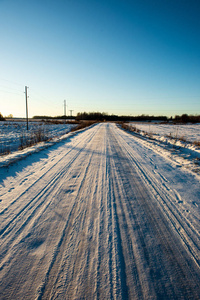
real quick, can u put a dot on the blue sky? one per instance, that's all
(120, 57)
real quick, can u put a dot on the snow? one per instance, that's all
(164, 139)
(99, 214)
(13, 132)
(188, 132)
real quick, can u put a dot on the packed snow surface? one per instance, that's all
(99, 215)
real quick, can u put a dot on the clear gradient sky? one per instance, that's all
(114, 56)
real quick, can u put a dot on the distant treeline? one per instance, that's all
(105, 117)
(187, 119)
(53, 118)
(98, 116)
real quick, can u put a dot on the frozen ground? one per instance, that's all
(180, 143)
(13, 133)
(100, 215)
(188, 132)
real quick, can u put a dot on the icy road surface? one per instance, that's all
(99, 216)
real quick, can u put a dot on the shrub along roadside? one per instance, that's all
(41, 134)
(83, 124)
(38, 135)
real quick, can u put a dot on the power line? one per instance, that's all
(8, 92)
(10, 88)
(37, 96)
(13, 82)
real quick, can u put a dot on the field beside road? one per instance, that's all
(14, 134)
(99, 215)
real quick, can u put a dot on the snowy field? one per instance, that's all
(13, 134)
(101, 214)
(187, 132)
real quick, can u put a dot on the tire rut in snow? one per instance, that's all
(69, 275)
(174, 274)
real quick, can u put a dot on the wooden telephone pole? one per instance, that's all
(26, 98)
(71, 110)
(65, 108)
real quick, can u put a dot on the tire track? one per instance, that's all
(178, 261)
(50, 184)
(43, 204)
(81, 143)
(189, 235)
(71, 241)
(17, 224)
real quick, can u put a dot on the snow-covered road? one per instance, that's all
(99, 216)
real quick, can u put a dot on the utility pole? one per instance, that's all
(26, 98)
(71, 110)
(65, 108)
